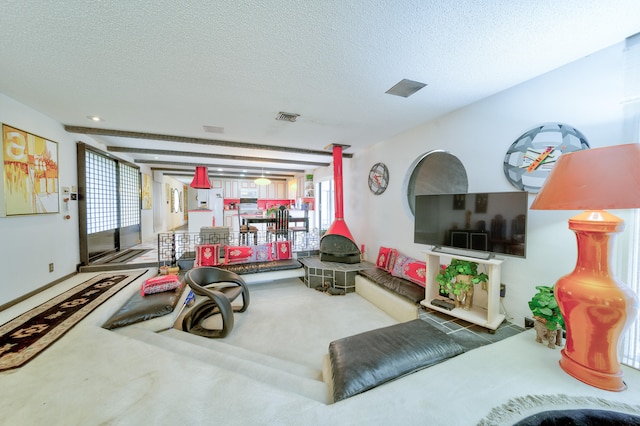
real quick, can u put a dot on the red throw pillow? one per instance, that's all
(416, 271)
(207, 255)
(236, 254)
(283, 250)
(393, 254)
(410, 269)
(159, 284)
(383, 257)
(262, 253)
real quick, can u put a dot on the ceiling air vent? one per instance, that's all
(405, 88)
(287, 116)
(213, 129)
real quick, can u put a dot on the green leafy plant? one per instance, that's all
(271, 211)
(544, 307)
(447, 276)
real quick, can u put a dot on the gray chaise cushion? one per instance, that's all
(364, 361)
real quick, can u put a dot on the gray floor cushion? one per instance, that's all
(364, 361)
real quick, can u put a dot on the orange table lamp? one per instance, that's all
(596, 307)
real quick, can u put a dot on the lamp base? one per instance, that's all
(603, 380)
(596, 307)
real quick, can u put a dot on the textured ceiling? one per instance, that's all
(170, 68)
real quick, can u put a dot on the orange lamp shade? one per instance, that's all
(201, 178)
(596, 307)
(593, 179)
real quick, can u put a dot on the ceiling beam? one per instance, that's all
(205, 155)
(201, 141)
(231, 175)
(214, 169)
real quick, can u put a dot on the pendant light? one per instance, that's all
(262, 181)
(201, 178)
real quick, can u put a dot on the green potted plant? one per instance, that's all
(458, 278)
(548, 318)
(271, 211)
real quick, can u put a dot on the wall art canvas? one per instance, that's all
(30, 173)
(146, 192)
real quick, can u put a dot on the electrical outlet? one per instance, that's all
(503, 290)
(528, 322)
(51, 267)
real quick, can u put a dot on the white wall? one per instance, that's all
(29, 243)
(585, 94)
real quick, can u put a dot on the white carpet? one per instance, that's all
(95, 376)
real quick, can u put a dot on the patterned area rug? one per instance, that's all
(26, 336)
(522, 408)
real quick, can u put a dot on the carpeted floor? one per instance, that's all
(95, 376)
(26, 336)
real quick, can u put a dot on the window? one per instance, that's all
(101, 193)
(630, 343)
(325, 196)
(109, 196)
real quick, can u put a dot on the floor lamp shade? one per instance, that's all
(596, 307)
(201, 178)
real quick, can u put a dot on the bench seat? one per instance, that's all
(397, 297)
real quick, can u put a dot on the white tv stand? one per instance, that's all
(490, 317)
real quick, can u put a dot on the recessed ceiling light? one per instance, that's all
(405, 88)
(94, 118)
(219, 170)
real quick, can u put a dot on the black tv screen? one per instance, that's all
(493, 222)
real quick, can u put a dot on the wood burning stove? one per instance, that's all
(337, 244)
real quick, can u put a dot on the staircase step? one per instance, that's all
(220, 346)
(281, 374)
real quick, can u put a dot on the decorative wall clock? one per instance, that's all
(378, 178)
(530, 159)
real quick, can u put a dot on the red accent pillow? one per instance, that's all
(410, 269)
(236, 254)
(261, 253)
(416, 271)
(393, 254)
(383, 257)
(207, 255)
(159, 284)
(283, 250)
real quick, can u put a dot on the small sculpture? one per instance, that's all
(548, 323)
(553, 337)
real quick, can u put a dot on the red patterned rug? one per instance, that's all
(26, 336)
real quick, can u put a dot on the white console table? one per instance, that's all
(489, 316)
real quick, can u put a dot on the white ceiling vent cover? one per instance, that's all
(287, 116)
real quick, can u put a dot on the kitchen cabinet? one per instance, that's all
(485, 311)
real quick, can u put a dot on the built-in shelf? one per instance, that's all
(489, 317)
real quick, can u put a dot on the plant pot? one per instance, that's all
(464, 299)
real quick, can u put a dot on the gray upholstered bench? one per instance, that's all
(361, 362)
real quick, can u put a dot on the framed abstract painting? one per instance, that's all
(30, 172)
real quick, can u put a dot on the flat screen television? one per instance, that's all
(483, 223)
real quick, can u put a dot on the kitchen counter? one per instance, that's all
(199, 218)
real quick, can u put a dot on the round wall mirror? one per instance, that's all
(175, 201)
(435, 172)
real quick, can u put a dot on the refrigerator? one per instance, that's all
(215, 202)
